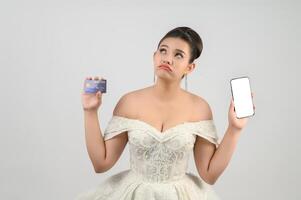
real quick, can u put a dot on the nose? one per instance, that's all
(167, 60)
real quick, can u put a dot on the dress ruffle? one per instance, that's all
(126, 185)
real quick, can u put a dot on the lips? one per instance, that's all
(166, 67)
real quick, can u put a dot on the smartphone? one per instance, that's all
(93, 86)
(242, 96)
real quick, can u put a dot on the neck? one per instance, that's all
(166, 91)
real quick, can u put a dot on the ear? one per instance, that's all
(190, 67)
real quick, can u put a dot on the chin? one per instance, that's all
(164, 77)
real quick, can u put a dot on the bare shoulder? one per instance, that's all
(125, 106)
(201, 107)
(129, 102)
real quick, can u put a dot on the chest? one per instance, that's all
(165, 116)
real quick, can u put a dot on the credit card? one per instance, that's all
(93, 86)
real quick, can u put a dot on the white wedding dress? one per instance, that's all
(158, 163)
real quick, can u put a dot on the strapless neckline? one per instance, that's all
(169, 130)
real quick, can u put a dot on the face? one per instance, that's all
(174, 53)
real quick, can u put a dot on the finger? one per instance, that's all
(232, 103)
(96, 78)
(232, 107)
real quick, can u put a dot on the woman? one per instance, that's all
(162, 124)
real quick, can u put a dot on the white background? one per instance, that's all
(47, 48)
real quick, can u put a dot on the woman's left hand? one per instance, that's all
(234, 122)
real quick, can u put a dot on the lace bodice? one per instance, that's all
(156, 156)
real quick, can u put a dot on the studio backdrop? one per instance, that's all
(48, 48)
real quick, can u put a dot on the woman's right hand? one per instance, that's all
(91, 101)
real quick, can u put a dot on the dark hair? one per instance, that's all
(191, 37)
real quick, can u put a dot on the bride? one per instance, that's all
(167, 114)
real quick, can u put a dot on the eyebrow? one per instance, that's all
(163, 45)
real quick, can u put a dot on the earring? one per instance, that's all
(154, 77)
(186, 82)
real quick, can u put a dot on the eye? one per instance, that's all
(162, 50)
(178, 54)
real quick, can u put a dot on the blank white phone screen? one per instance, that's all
(242, 97)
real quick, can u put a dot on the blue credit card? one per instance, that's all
(93, 86)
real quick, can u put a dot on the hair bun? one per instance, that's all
(189, 35)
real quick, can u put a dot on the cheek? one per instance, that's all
(157, 57)
(180, 68)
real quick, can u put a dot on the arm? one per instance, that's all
(211, 161)
(104, 154)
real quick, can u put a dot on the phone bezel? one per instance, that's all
(233, 95)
